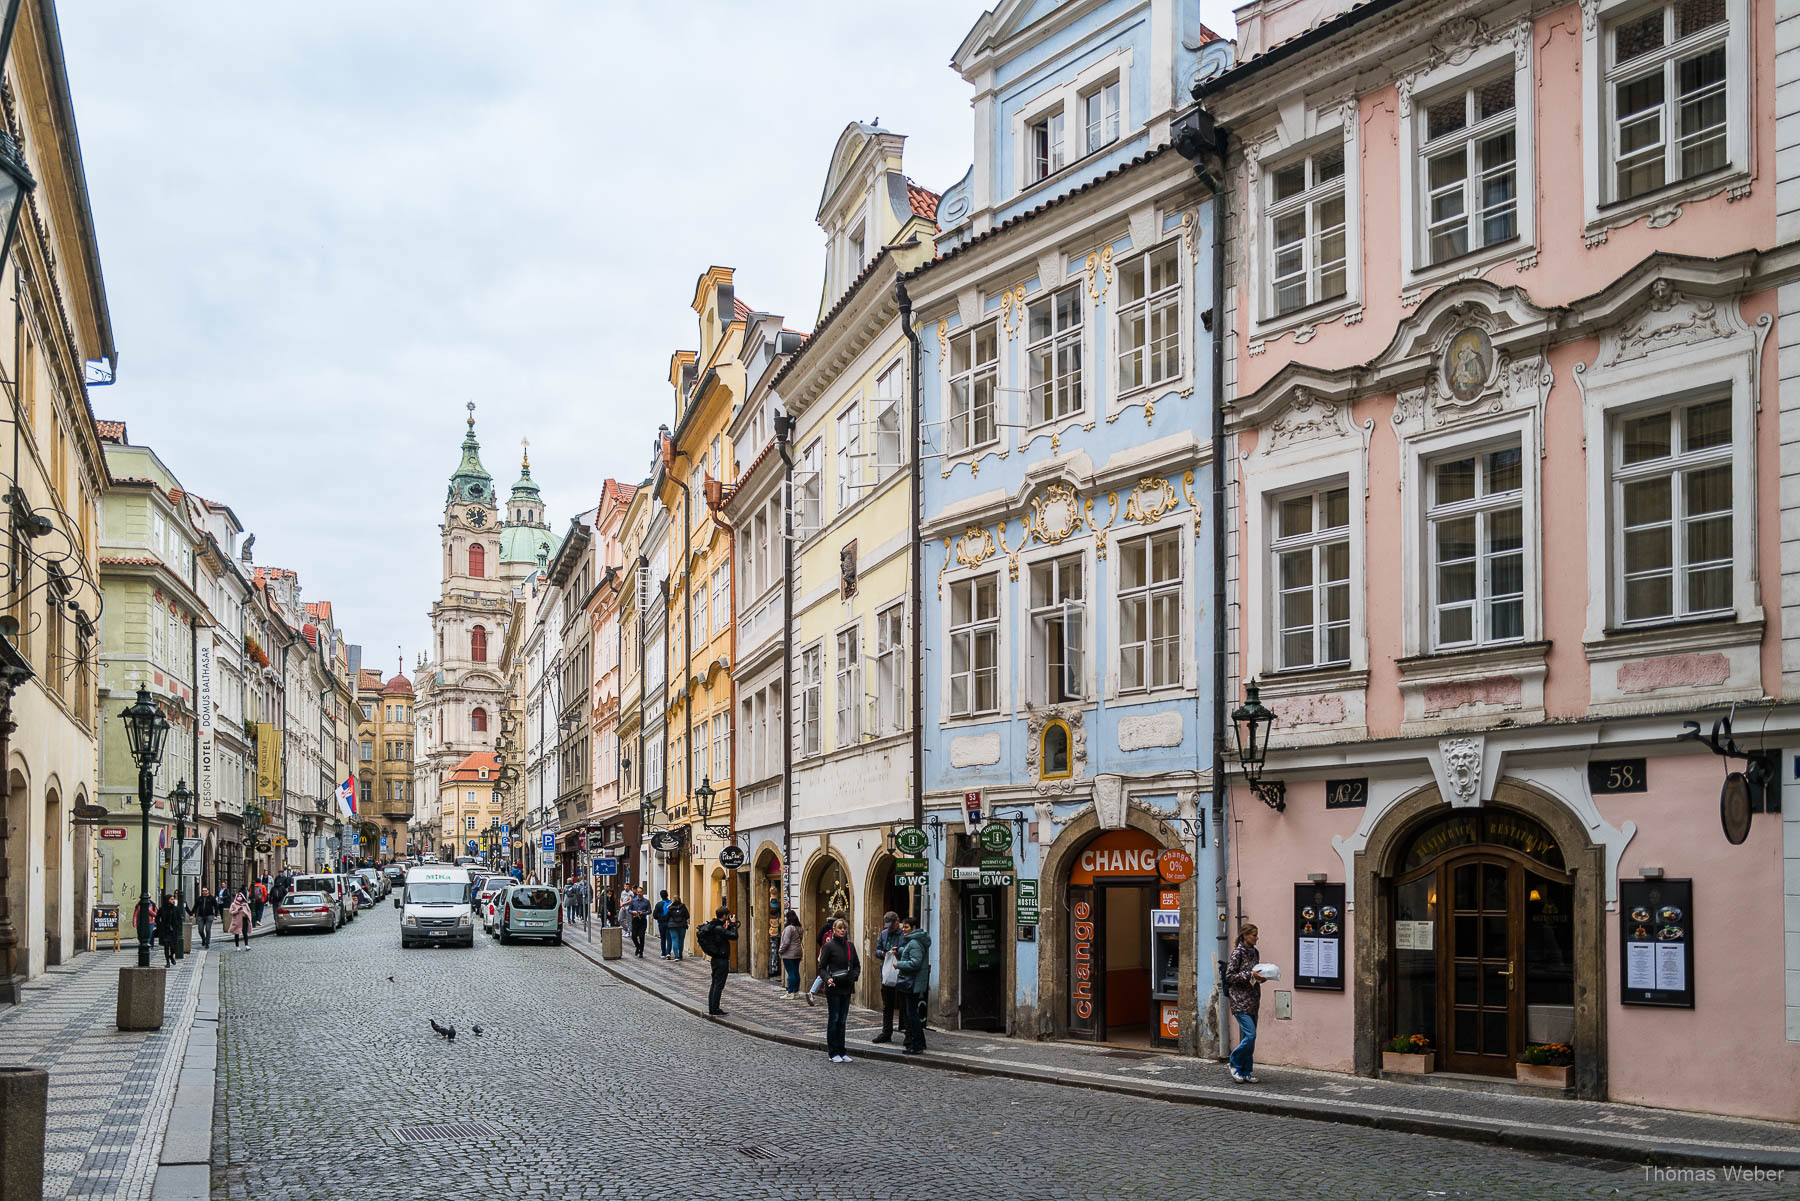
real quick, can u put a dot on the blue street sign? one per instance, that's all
(472, 846)
(606, 867)
(549, 840)
(505, 828)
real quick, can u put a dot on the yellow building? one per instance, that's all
(470, 807)
(695, 466)
(382, 759)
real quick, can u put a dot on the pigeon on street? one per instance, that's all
(449, 1032)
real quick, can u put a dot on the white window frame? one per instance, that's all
(1102, 129)
(1047, 144)
(973, 630)
(1065, 99)
(847, 658)
(1482, 506)
(812, 699)
(848, 458)
(1181, 532)
(891, 716)
(1602, 211)
(721, 598)
(1314, 543)
(1071, 618)
(1150, 303)
(699, 756)
(721, 745)
(698, 624)
(1314, 193)
(1517, 47)
(810, 517)
(888, 421)
(1672, 468)
(1061, 340)
(1315, 129)
(973, 376)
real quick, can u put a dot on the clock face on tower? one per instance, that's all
(477, 517)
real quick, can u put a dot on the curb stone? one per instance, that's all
(1517, 1136)
(184, 1171)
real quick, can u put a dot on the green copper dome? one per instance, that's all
(526, 488)
(471, 482)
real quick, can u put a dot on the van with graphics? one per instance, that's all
(437, 907)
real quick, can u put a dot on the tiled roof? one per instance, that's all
(311, 632)
(319, 609)
(368, 677)
(924, 203)
(469, 770)
(130, 561)
(398, 686)
(111, 431)
(1290, 45)
(739, 310)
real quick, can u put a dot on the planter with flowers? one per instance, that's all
(1545, 1064)
(1408, 1054)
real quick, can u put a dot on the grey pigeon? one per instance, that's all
(477, 1029)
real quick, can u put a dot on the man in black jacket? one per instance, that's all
(715, 938)
(678, 924)
(205, 909)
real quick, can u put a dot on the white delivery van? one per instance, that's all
(436, 907)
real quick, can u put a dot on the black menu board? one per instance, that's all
(1656, 943)
(1319, 936)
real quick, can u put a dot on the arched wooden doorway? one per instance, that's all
(827, 891)
(765, 920)
(18, 878)
(53, 876)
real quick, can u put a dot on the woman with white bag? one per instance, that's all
(1244, 977)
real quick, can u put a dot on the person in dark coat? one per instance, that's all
(206, 908)
(789, 950)
(839, 968)
(678, 924)
(168, 928)
(888, 943)
(915, 980)
(637, 912)
(1244, 987)
(715, 938)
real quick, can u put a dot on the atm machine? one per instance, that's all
(1165, 969)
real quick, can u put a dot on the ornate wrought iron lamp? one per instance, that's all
(1252, 722)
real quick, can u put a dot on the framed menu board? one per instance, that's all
(1319, 936)
(1656, 943)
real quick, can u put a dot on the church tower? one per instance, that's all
(526, 542)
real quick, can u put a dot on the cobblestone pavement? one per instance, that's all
(1628, 1130)
(582, 1085)
(110, 1089)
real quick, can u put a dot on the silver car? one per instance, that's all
(306, 911)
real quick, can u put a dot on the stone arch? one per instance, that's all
(16, 866)
(879, 896)
(812, 918)
(1584, 859)
(1053, 930)
(53, 872)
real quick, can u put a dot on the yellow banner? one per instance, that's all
(268, 760)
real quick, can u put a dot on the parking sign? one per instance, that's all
(549, 840)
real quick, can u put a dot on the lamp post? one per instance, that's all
(1252, 722)
(337, 832)
(181, 799)
(703, 804)
(253, 823)
(306, 864)
(146, 729)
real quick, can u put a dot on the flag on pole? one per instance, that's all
(347, 797)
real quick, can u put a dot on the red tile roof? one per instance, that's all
(739, 310)
(368, 677)
(469, 770)
(924, 203)
(319, 609)
(129, 561)
(311, 632)
(111, 431)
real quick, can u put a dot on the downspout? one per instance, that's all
(784, 432)
(687, 638)
(915, 590)
(640, 599)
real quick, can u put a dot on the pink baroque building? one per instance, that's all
(1506, 422)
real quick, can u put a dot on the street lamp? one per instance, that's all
(1252, 722)
(146, 729)
(703, 804)
(337, 832)
(181, 799)
(306, 827)
(253, 823)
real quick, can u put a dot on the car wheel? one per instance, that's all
(557, 940)
(505, 937)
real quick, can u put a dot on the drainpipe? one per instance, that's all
(784, 433)
(917, 590)
(687, 647)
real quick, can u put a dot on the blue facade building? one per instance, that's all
(1066, 629)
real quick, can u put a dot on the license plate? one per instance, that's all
(437, 933)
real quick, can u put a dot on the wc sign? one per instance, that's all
(972, 812)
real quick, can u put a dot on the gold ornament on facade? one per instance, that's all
(1187, 488)
(1012, 552)
(1055, 514)
(1099, 272)
(1153, 497)
(1012, 310)
(1112, 499)
(975, 547)
(1188, 229)
(943, 335)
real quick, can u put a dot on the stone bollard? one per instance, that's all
(612, 943)
(141, 991)
(24, 1095)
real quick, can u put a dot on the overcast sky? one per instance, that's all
(325, 227)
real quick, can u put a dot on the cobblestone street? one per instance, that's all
(581, 1085)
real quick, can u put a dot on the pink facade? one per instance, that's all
(1510, 504)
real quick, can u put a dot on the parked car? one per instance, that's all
(352, 902)
(395, 875)
(306, 911)
(490, 912)
(530, 911)
(331, 886)
(378, 885)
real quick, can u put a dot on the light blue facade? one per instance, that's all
(1068, 573)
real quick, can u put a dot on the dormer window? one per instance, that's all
(1100, 116)
(1047, 146)
(858, 251)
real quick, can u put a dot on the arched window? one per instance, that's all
(478, 721)
(478, 644)
(478, 560)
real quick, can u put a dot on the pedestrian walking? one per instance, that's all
(887, 954)
(661, 914)
(284, 883)
(1244, 986)
(206, 907)
(678, 924)
(913, 984)
(826, 932)
(637, 911)
(839, 968)
(237, 921)
(168, 928)
(715, 938)
(259, 896)
(789, 951)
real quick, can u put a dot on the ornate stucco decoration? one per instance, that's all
(1112, 499)
(1099, 272)
(1455, 43)
(1150, 500)
(1036, 718)
(1669, 319)
(1049, 822)
(1056, 513)
(1189, 239)
(1307, 417)
(943, 337)
(1472, 374)
(1462, 770)
(1012, 311)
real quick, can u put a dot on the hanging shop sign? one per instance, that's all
(1117, 854)
(112, 831)
(280, 840)
(1734, 808)
(668, 841)
(268, 760)
(1656, 943)
(1025, 903)
(731, 858)
(1319, 936)
(996, 839)
(910, 840)
(1175, 865)
(910, 872)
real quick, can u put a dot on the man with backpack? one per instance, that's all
(661, 914)
(259, 896)
(678, 924)
(715, 939)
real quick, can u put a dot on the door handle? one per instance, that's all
(1508, 973)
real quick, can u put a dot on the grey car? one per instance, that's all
(306, 911)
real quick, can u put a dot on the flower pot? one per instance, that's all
(1542, 1075)
(1408, 1065)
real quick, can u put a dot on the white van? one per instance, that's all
(436, 907)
